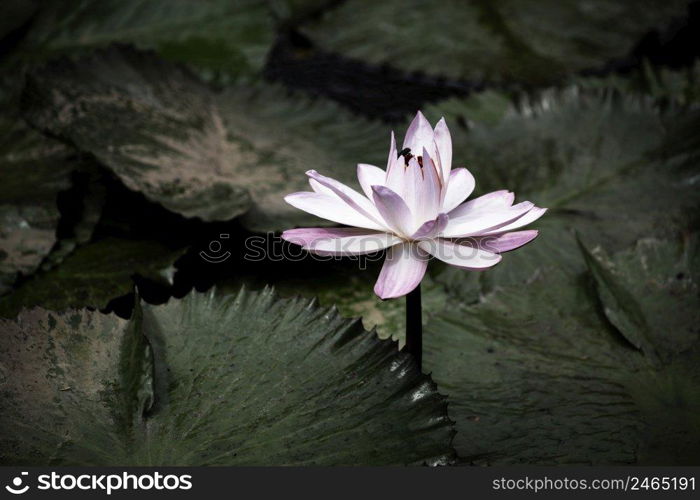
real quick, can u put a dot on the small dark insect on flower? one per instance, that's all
(406, 153)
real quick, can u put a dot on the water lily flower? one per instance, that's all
(415, 209)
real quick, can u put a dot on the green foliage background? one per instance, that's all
(136, 132)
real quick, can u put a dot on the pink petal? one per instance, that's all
(330, 208)
(455, 254)
(529, 217)
(491, 201)
(402, 271)
(419, 135)
(305, 236)
(432, 228)
(347, 194)
(411, 185)
(418, 186)
(429, 191)
(393, 210)
(395, 175)
(482, 221)
(459, 186)
(340, 241)
(320, 188)
(368, 176)
(506, 242)
(443, 143)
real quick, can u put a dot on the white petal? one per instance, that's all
(491, 201)
(411, 185)
(419, 135)
(531, 216)
(427, 200)
(460, 255)
(348, 195)
(305, 236)
(330, 208)
(459, 186)
(480, 222)
(368, 176)
(340, 241)
(395, 175)
(393, 210)
(402, 271)
(320, 188)
(443, 144)
(504, 242)
(432, 228)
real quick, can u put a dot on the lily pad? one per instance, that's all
(198, 153)
(13, 15)
(599, 161)
(34, 171)
(638, 289)
(540, 368)
(244, 379)
(495, 41)
(93, 275)
(538, 374)
(222, 39)
(669, 87)
(151, 122)
(81, 213)
(347, 286)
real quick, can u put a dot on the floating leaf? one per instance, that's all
(199, 154)
(614, 168)
(652, 292)
(93, 275)
(281, 136)
(639, 308)
(151, 122)
(536, 375)
(535, 372)
(33, 170)
(87, 199)
(235, 380)
(667, 86)
(223, 39)
(497, 41)
(347, 286)
(13, 15)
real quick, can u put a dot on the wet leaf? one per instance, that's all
(537, 375)
(93, 275)
(13, 15)
(222, 39)
(638, 290)
(539, 367)
(350, 288)
(34, 171)
(151, 122)
(245, 379)
(198, 153)
(603, 164)
(87, 199)
(495, 41)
